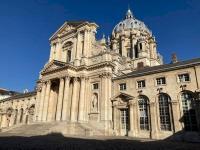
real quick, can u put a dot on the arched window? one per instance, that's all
(143, 111)
(164, 110)
(189, 113)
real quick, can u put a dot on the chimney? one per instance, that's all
(174, 58)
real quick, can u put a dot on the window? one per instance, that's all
(161, 81)
(165, 123)
(95, 86)
(189, 113)
(143, 111)
(141, 84)
(184, 77)
(122, 86)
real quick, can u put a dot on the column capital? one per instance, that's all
(105, 75)
(48, 82)
(67, 77)
(61, 78)
(75, 79)
(131, 102)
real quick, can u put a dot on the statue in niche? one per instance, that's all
(94, 103)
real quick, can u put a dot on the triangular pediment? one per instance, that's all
(65, 28)
(53, 65)
(122, 95)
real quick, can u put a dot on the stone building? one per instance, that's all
(116, 86)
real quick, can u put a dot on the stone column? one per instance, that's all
(46, 101)
(176, 116)
(123, 46)
(153, 121)
(81, 102)
(131, 116)
(74, 101)
(66, 99)
(60, 100)
(133, 42)
(41, 103)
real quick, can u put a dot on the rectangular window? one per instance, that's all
(95, 86)
(122, 86)
(141, 84)
(184, 77)
(161, 81)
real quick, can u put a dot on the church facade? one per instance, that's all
(114, 87)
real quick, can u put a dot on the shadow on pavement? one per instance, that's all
(56, 141)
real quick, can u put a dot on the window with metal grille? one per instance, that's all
(164, 109)
(143, 111)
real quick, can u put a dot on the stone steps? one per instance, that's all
(66, 128)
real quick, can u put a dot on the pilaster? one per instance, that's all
(41, 103)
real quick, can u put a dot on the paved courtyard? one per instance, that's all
(59, 142)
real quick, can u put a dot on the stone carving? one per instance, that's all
(94, 103)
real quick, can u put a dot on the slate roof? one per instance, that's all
(161, 68)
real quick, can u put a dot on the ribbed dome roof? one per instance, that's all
(130, 22)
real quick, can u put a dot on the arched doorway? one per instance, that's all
(189, 112)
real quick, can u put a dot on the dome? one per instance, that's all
(130, 22)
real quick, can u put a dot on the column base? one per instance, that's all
(131, 133)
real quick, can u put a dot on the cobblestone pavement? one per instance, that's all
(59, 142)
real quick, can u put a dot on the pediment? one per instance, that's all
(65, 28)
(122, 96)
(53, 65)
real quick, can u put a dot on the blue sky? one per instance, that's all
(26, 25)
